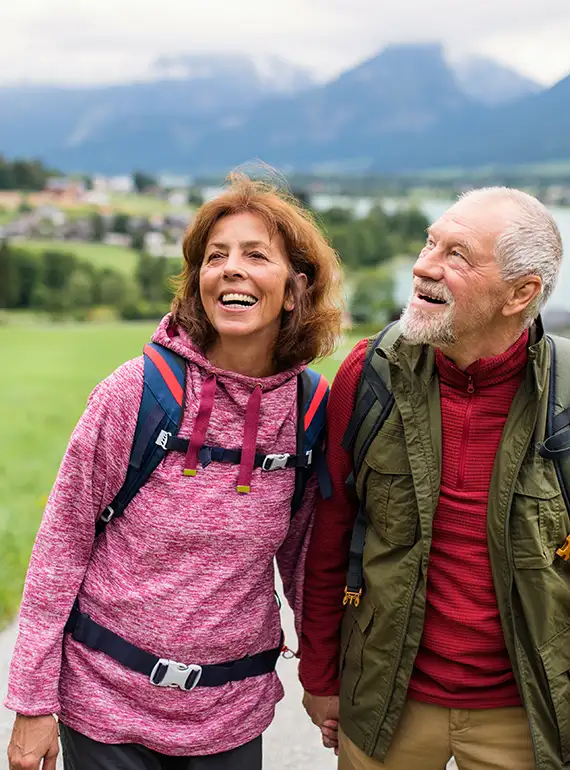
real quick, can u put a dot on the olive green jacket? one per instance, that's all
(526, 522)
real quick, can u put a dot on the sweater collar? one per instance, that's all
(485, 371)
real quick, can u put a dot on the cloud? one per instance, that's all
(113, 40)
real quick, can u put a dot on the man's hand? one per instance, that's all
(33, 739)
(324, 713)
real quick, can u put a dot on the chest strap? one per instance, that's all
(162, 672)
(208, 454)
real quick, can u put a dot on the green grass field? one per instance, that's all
(47, 373)
(100, 254)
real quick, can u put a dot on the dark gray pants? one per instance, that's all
(82, 753)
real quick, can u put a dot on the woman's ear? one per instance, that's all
(300, 282)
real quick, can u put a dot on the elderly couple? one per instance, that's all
(451, 634)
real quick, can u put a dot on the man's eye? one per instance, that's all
(430, 242)
(456, 253)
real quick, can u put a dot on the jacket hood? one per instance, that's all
(172, 336)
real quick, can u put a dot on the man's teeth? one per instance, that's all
(238, 299)
(435, 300)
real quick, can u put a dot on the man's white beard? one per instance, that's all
(426, 328)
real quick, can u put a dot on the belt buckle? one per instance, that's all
(276, 462)
(176, 674)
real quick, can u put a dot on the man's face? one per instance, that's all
(458, 290)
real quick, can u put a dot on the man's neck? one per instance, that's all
(468, 351)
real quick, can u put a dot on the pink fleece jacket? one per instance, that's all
(187, 572)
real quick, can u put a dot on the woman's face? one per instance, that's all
(242, 279)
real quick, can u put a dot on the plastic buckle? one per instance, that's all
(176, 674)
(107, 514)
(275, 462)
(162, 439)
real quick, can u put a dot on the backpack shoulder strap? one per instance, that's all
(160, 415)
(312, 398)
(374, 398)
(556, 446)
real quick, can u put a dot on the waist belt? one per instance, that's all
(161, 671)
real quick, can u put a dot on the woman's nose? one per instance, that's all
(234, 267)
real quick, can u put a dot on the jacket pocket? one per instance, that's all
(356, 629)
(537, 525)
(390, 495)
(555, 656)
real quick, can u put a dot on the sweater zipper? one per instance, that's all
(465, 437)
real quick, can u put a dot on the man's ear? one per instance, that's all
(301, 282)
(523, 292)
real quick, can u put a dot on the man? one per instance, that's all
(460, 642)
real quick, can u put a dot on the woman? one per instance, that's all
(186, 574)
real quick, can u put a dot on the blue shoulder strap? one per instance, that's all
(160, 414)
(312, 397)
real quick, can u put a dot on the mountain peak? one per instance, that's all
(488, 82)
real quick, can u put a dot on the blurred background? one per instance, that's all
(118, 118)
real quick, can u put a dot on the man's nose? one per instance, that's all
(428, 265)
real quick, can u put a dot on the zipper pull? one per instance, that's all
(470, 386)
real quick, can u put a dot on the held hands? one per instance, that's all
(324, 713)
(33, 739)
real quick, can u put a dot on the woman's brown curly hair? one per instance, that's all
(311, 330)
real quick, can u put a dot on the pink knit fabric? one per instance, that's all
(187, 572)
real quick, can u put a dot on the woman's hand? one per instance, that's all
(33, 739)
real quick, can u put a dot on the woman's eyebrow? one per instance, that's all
(242, 245)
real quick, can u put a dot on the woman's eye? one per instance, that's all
(214, 256)
(456, 253)
(430, 243)
(257, 255)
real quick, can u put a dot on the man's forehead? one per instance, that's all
(481, 219)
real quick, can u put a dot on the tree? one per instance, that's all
(143, 181)
(372, 301)
(195, 197)
(57, 268)
(121, 223)
(410, 223)
(8, 277)
(97, 226)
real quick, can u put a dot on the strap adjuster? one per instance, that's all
(107, 514)
(175, 674)
(275, 462)
(162, 439)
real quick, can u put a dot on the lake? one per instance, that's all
(434, 208)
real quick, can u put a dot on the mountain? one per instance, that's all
(180, 91)
(490, 83)
(402, 110)
(264, 74)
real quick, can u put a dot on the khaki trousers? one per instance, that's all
(428, 736)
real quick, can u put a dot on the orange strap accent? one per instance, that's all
(316, 402)
(564, 551)
(166, 373)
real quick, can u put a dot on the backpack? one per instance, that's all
(160, 415)
(374, 402)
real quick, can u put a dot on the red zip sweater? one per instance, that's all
(462, 661)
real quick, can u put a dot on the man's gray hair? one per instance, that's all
(531, 244)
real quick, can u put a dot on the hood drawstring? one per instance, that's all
(249, 440)
(200, 426)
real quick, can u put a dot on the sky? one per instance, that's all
(103, 41)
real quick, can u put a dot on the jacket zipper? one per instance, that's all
(465, 436)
